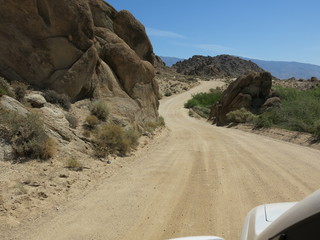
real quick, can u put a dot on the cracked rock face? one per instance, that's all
(249, 91)
(83, 48)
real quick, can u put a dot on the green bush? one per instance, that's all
(299, 111)
(27, 136)
(240, 116)
(205, 100)
(62, 100)
(100, 109)
(262, 121)
(316, 132)
(112, 139)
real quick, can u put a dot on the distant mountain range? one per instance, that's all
(169, 61)
(279, 69)
(285, 70)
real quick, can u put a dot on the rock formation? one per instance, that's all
(219, 67)
(82, 48)
(249, 91)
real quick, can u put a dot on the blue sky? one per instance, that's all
(280, 30)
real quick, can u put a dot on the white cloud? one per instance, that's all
(161, 33)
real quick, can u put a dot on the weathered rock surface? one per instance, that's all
(10, 104)
(219, 67)
(83, 48)
(249, 91)
(35, 99)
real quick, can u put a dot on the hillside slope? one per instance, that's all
(218, 67)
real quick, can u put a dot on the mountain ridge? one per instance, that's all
(220, 66)
(279, 69)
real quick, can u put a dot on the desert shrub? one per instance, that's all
(240, 116)
(201, 111)
(168, 93)
(192, 113)
(262, 121)
(132, 136)
(205, 100)
(20, 89)
(5, 88)
(62, 100)
(73, 121)
(91, 122)
(316, 131)
(99, 109)
(150, 126)
(27, 136)
(299, 110)
(161, 122)
(112, 139)
(74, 164)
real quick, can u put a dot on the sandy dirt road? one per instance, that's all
(197, 180)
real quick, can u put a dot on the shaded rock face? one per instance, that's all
(249, 91)
(219, 67)
(83, 48)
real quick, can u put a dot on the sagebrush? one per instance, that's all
(99, 109)
(240, 116)
(62, 100)
(113, 139)
(27, 136)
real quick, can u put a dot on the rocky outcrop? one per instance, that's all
(12, 105)
(249, 91)
(219, 67)
(82, 48)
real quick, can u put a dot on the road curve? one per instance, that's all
(198, 179)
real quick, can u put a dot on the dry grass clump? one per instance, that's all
(112, 139)
(5, 88)
(91, 122)
(26, 135)
(20, 90)
(52, 96)
(74, 165)
(152, 126)
(240, 116)
(99, 109)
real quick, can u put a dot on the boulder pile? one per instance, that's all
(249, 91)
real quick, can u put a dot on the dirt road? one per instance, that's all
(197, 179)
